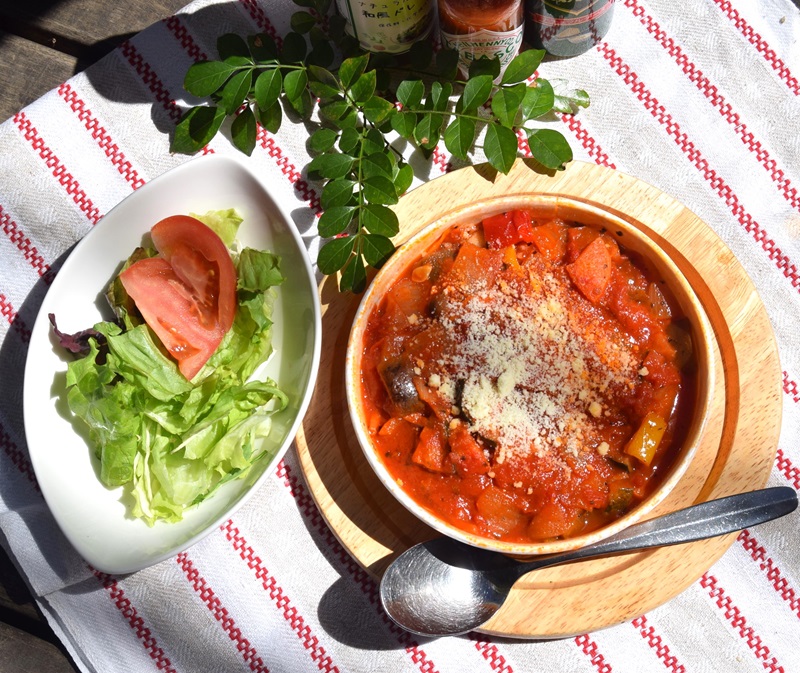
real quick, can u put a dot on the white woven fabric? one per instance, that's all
(700, 99)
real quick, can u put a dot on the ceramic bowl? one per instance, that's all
(631, 238)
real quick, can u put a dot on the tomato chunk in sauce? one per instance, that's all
(526, 380)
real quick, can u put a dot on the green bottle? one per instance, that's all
(567, 27)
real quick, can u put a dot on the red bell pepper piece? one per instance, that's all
(499, 231)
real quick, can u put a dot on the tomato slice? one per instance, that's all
(591, 272)
(187, 295)
(550, 240)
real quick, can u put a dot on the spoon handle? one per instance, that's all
(698, 522)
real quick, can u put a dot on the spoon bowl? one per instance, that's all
(445, 587)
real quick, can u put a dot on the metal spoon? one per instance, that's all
(444, 587)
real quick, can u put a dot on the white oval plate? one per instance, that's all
(94, 518)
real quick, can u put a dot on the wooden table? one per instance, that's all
(42, 44)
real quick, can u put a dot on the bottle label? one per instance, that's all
(390, 26)
(489, 43)
(579, 19)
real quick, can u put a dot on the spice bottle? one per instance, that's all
(390, 26)
(476, 28)
(567, 27)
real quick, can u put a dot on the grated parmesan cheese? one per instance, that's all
(527, 360)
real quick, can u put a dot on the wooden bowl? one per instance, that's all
(630, 238)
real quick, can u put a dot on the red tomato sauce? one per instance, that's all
(527, 380)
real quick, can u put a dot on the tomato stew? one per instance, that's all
(527, 380)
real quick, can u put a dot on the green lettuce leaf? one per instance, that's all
(136, 357)
(257, 271)
(109, 410)
(225, 223)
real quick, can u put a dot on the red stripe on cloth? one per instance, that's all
(761, 45)
(782, 261)
(16, 323)
(23, 243)
(711, 92)
(490, 652)
(261, 20)
(367, 585)
(151, 79)
(439, 159)
(178, 29)
(786, 468)
(522, 143)
(738, 623)
(17, 456)
(307, 638)
(102, 136)
(220, 613)
(59, 171)
(268, 142)
(589, 144)
(128, 611)
(790, 388)
(773, 573)
(590, 649)
(656, 643)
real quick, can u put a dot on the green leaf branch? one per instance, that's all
(358, 109)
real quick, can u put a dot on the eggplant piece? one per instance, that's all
(438, 259)
(463, 413)
(398, 379)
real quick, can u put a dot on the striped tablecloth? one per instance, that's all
(700, 99)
